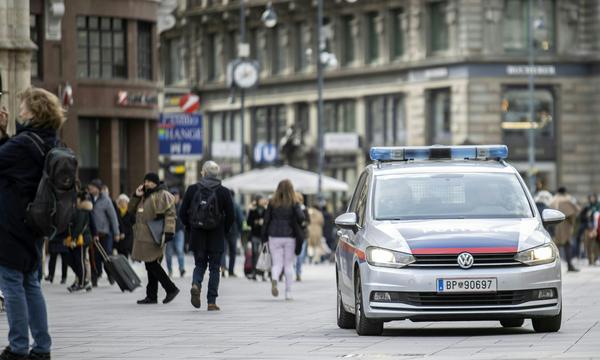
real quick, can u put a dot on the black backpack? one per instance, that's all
(205, 212)
(52, 209)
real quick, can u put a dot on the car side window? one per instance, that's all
(361, 205)
(357, 192)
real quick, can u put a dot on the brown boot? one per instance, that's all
(213, 307)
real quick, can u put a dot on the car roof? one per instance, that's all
(441, 166)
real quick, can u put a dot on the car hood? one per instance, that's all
(454, 236)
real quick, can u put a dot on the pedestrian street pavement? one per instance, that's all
(108, 324)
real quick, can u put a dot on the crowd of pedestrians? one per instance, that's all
(101, 229)
(578, 237)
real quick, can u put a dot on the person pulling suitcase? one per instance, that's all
(152, 202)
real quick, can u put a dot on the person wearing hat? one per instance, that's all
(107, 226)
(177, 245)
(152, 201)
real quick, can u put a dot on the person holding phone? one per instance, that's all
(152, 201)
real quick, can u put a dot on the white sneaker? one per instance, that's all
(288, 296)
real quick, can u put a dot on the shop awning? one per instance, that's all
(266, 181)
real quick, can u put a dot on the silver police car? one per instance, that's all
(445, 233)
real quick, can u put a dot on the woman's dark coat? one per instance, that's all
(21, 165)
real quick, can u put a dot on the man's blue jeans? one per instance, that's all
(300, 258)
(212, 260)
(25, 310)
(175, 247)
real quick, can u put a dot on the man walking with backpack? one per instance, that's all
(207, 213)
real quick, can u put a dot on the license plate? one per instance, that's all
(468, 285)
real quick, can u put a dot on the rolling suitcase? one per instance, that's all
(248, 264)
(119, 269)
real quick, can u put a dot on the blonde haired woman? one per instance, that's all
(282, 230)
(21, 165)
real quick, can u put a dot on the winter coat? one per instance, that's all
(238, 222)
(315, 228)
(283, 222)
(213, 240)
(83, 223)
(126, 222)
(154, 204)
(21, 165)
(255, 220)
(105, 216)
(564, 230)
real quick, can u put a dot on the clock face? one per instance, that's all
(245, 74)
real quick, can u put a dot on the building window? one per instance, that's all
(88, 149)
(233, 39)
(515, 122)
(35, 27)
(269, 124)
(372, 38)
(340, 116)
(302, 44)
(278, 50)
(101, 47)
(144, 47)
(438, 27)
(212, 57)
(303, 117)
(515, 25)
(175, 66)
(439, 117)
(225, 126)
(386, 122)
(348, 38)
(397, 34)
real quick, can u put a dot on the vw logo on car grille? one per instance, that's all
(465, 260)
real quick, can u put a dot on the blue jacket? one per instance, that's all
(21, 166)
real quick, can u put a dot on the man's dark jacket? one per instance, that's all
(211, 241)
(21, 166)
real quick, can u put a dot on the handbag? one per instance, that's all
(264, 262)
(157, 229)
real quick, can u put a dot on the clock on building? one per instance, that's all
(245, 74)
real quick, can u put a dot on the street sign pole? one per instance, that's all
(320, 48)
(531, 88)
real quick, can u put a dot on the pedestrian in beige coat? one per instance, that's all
(315, 234)
(565, 203)
(152, 201)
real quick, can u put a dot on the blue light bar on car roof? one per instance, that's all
(403, 153)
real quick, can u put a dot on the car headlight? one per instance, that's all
(388, 258)
(544, 254)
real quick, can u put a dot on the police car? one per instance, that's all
(445, 233)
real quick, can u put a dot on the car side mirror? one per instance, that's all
(552, 217)
(347, 221)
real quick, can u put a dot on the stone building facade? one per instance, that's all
(15, 53)
(106, 52)
(408, 72)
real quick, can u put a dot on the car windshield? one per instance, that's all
(450, 196)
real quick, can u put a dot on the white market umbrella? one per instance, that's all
(266, 181)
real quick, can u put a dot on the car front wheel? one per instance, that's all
(345, 319)
(363, 325)
(547, 324)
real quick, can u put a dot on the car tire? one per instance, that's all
(547, 324)
(364, 326)
(345, 319)
(512, 323)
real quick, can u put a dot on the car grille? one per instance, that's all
(450, 300)
(481, 260)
